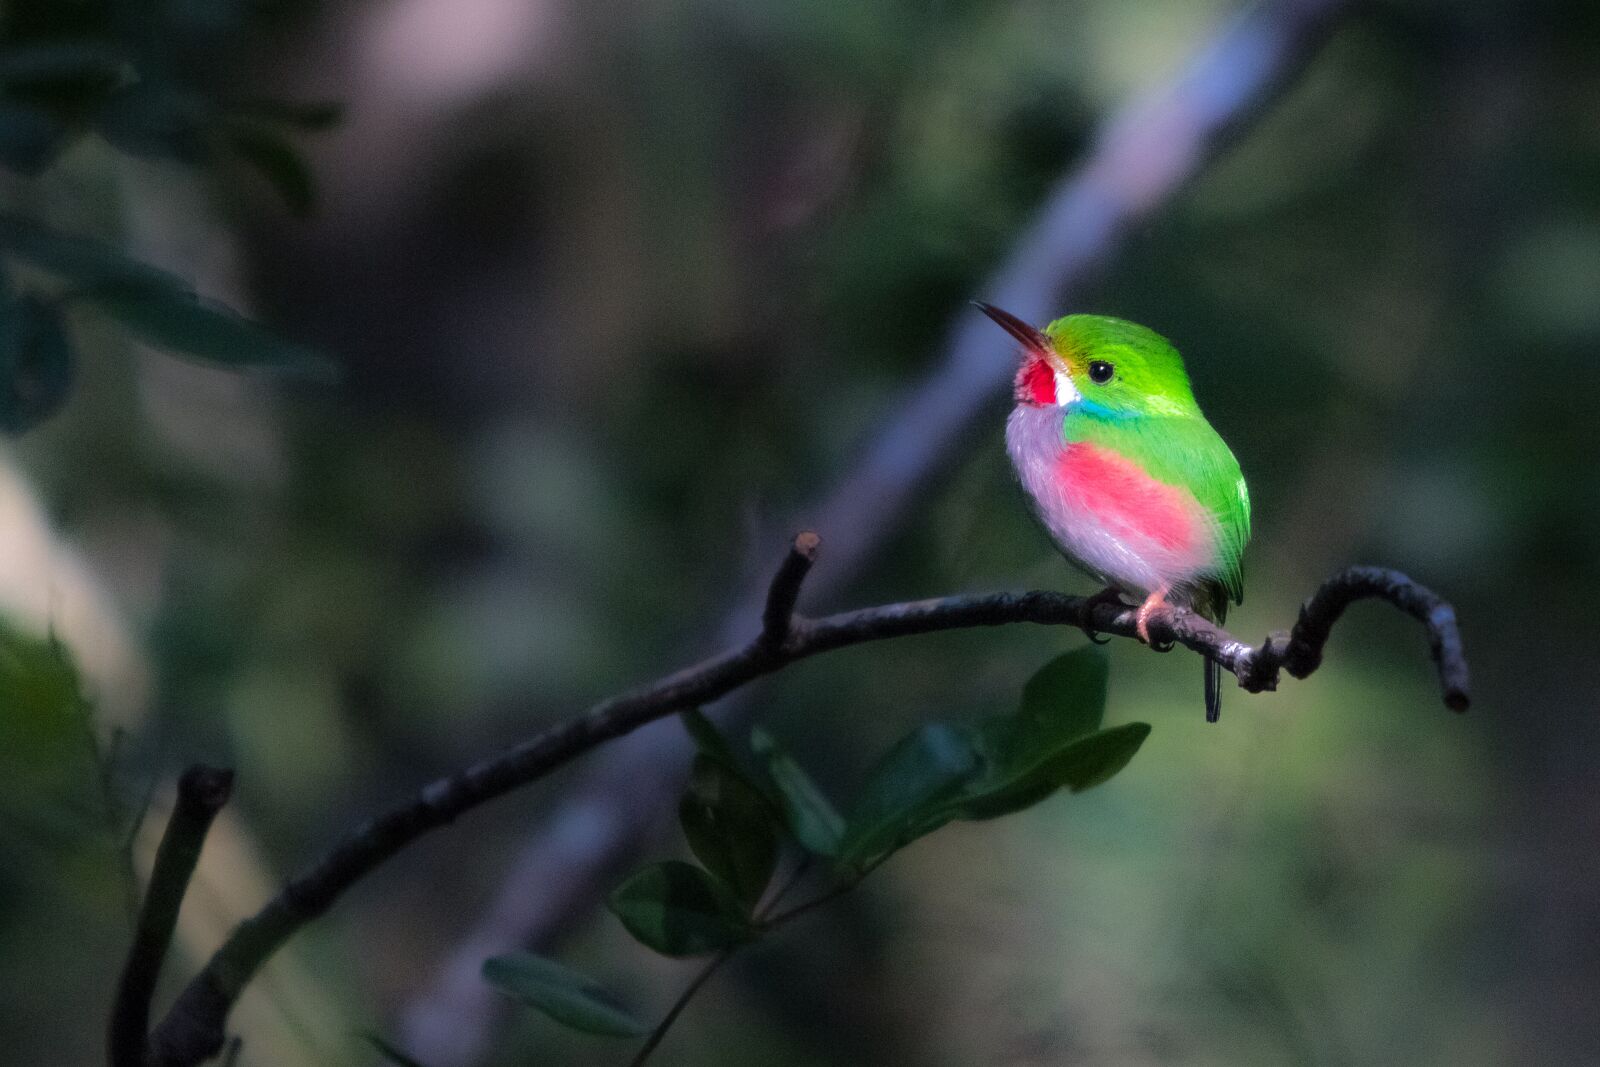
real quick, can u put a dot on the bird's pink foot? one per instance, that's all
(1141, 626)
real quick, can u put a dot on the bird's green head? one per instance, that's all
(1098, 364)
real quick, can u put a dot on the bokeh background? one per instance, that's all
(617, 289)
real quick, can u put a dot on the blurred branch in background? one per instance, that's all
(1144, 155)
(195, 1027)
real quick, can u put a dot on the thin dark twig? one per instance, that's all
(784, 592)
(784, 917)
(799, 872)
(193, 1028)
(772, 922)
(202, 791)
(678, 1005)
(765, 923)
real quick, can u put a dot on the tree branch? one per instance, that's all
(202, 792)
(193, 1029)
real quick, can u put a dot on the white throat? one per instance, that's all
(1066, 392)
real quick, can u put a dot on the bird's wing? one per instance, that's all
(1193, 455)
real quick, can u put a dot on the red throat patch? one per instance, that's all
(1036, 383)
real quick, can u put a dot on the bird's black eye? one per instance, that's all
(1100, 372)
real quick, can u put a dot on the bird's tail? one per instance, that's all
(1213, 691)
(1213, 604)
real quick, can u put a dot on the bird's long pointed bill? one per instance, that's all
(1031, 338)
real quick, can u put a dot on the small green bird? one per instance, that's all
(1128, 477)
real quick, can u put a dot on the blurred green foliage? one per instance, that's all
(562, 994)
(69, 70)
(734, 824)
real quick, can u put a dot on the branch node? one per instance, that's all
(778, 619)
(1257, 668)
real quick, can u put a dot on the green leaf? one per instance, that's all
(730, 828)
(46, 721)
(277, 161)
(999, 765)
(708, 740)
(389, 1052)
(1099, 757)
(84, 261)
(38, 680)
(1077, 765)
(903, 797)
(157, 307)
(35, 363)
(189, 326)
(566, 996)
(1048, 744)
(1064, 700)
(811, 817)
(679, 910)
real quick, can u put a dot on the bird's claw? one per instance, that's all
(1109, 595)
(1155, 646)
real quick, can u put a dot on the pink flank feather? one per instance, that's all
(1153, 517)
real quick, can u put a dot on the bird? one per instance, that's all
(1126, 475)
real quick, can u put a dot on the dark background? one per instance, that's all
(618, 287)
